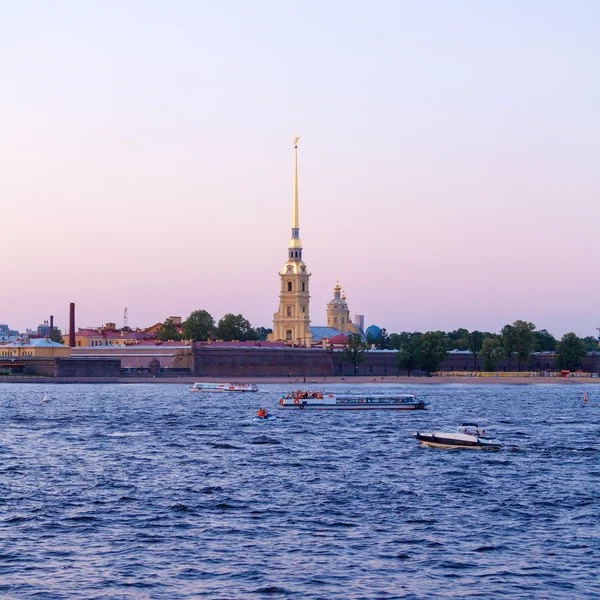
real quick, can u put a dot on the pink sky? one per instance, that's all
(448, 161)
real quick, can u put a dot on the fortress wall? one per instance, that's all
(261, 362)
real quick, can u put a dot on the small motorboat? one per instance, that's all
(223, 387)
(467, 435)
(269, 417)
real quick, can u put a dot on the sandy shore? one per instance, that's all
(321, 381)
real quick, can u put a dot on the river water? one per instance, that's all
(149, 491)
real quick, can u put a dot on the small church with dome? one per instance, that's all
(291, 323)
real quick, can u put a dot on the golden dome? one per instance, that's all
(295, 244)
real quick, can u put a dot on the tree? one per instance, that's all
(382, 341)
(491, 352)
(508, 343)
(590, 343)
(355, 351)
(168, 332)
(524, 333)
(395, 340)
(409, 351)
(570, 352)
(262, 333)
(544, 341)
(235, 327)
(199, 326)
(457, 334)
(56, 336)
(434, 349)
(475, 344)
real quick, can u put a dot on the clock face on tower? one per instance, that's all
(290, 268)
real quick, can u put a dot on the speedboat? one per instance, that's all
(323, 401)
(223, 387)
(467, 435)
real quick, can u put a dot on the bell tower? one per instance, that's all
(291, 323)
(338, 314)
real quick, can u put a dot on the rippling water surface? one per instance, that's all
(149, 491)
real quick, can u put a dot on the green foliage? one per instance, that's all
(168, 332)
(409, 351)
(524, 340)
(590, 343)
(544, 341)
(56, 336)
(570, 352)
(235, 328)
(457, 334)
(491, 352)
(395, 340)
(434, 349)
(355, 350)
(199, 326)
(509, 343)
(475, 344)
(262, 333)
(382, 341)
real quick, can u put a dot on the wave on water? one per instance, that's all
(138, 491)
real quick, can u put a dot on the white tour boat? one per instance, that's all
(468, 435)
(323, 401)
(223, 387)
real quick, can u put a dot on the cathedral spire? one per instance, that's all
(295, 246)
(295, 218)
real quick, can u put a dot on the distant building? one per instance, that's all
(359, 321)
(38, 348)
(109, 335)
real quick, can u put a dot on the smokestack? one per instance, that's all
(51, 324)
(72, 325)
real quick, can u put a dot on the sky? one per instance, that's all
(448, 161)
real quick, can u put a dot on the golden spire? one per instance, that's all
(295, 219)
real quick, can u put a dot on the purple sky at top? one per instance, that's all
(449, 160)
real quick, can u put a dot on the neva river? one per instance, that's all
(149, 491)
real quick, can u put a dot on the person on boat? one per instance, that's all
(262, 413)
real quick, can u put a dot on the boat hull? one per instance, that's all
(219, 389)
(352, 407)
(436, 441)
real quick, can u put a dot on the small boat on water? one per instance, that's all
(323, 401)
(468, 435)
(269, 417)
(223, 387)
(45, 397)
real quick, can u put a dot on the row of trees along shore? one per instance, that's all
(515, 343)
(200, 326)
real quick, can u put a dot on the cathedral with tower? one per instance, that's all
(291, 323)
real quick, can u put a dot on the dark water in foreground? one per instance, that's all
(149, 491)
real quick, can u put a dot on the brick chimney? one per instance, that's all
(72, 325)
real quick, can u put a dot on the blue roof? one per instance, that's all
(373, 331)
(318, 333)
(38, 343)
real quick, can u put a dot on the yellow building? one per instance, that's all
(39, 348)
(338, 313)
(291, 323)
